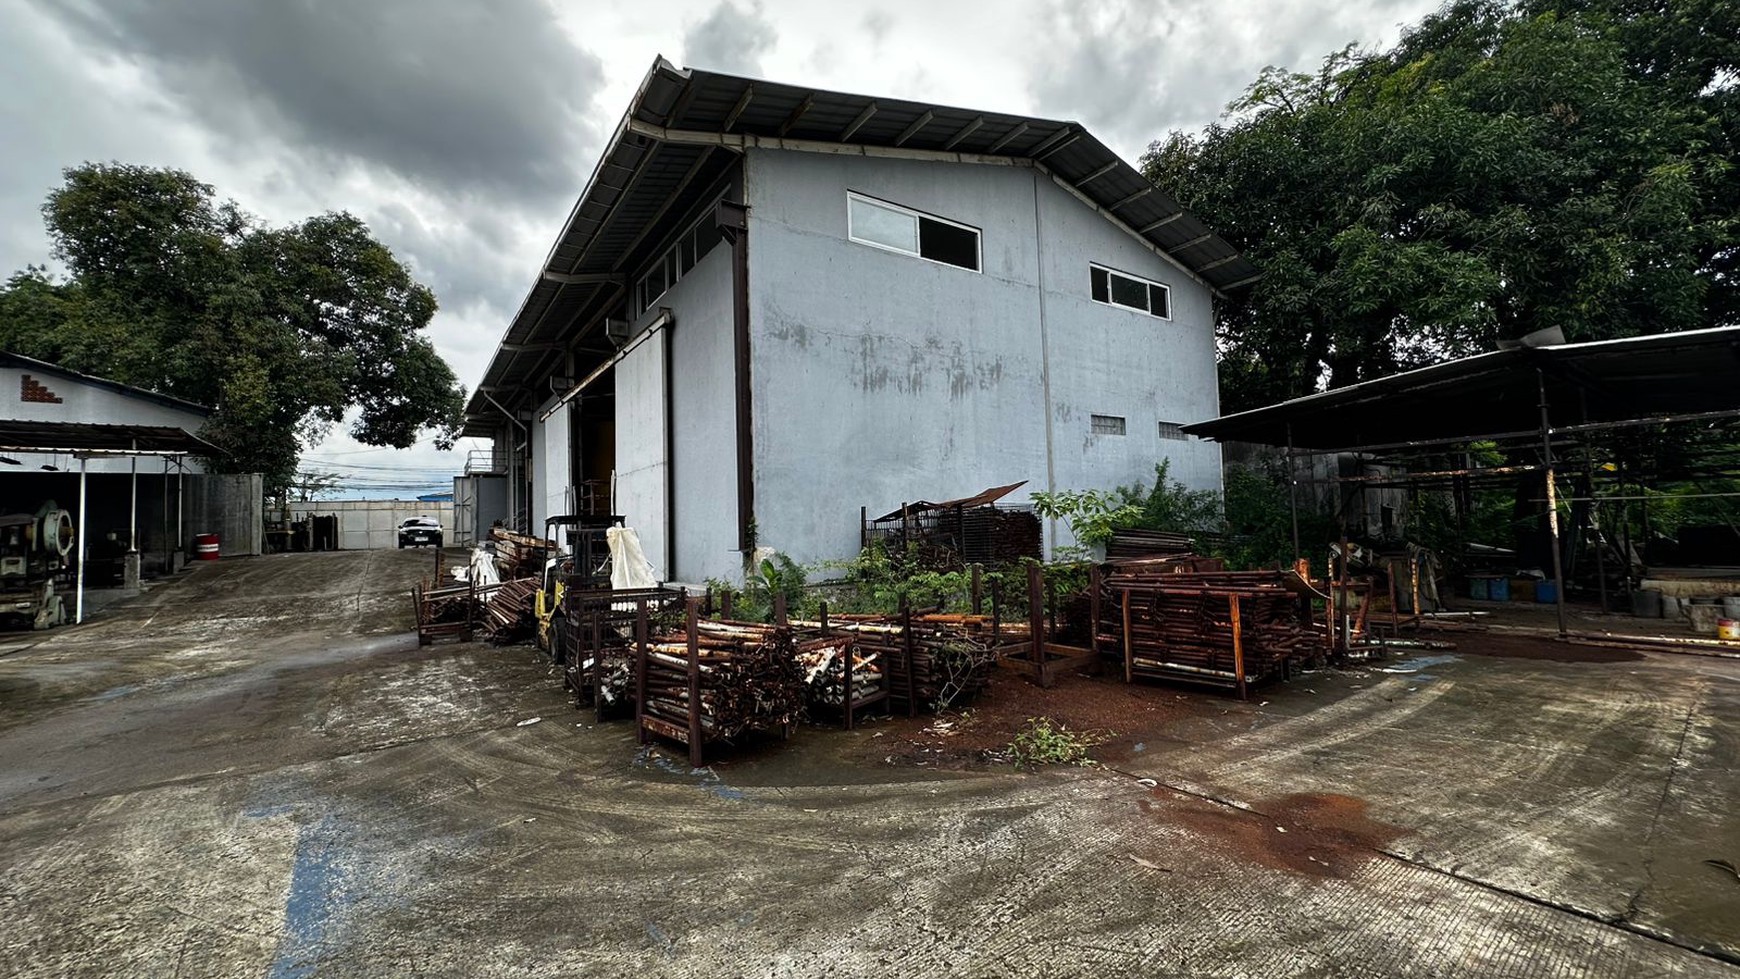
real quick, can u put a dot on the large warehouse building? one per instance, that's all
(773, 306)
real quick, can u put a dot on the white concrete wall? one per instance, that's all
(881, 378)
(641, 466)
(374, 524)
(552, 467)
(95, 404)
(704, 426)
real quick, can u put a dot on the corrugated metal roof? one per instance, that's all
(1499, 393)
(74, 437)
(680, 134)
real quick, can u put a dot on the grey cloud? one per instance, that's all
(877, 23)
(730, 39)
(1133, 69)
(460, 98)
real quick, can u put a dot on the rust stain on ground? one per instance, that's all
(1319, 834)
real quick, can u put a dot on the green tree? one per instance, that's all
(281, 329)
(1506, 167)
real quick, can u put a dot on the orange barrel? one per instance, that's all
(205, 547)
(1727, 629)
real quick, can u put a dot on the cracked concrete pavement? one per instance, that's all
(255, 771)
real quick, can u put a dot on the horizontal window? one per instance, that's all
(692, 246)
(885, 225)
(1106, 424)
(1172, 430)
(1123, 289)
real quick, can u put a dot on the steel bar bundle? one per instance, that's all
(717, 681)
(596, 639)
(511, 615)
(519, 556)
(931, 665)
(1146, 543)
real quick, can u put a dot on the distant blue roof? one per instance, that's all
(435, 498)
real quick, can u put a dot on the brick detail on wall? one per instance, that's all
(35, 392)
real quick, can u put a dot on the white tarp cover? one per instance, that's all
(483, 570)
(629, 567)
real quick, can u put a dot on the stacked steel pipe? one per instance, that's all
(519, 556)
(511, 615)
(833, 664)
(933, 662)
(717, 681)
(1220, 627)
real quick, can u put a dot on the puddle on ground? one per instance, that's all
(704, 778)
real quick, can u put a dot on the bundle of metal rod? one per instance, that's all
(1147, 543)
(1224, 628)
(519, 556)
(833, 665)
(511, 615)
(951, 661)
(596, 640)
(717, 681)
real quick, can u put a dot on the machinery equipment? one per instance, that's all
(34, 555)
(583, 563)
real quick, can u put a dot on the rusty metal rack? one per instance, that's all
(1038, 655)
(845, 674)
(715, 682)
(1221, 628)
(597, 641)
(930, 661)
(448, 611)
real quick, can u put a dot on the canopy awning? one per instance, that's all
(83, 438)
(1662, 377)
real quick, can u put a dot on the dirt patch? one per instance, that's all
(1127, 715)
(1530, 647)
(1318, 834)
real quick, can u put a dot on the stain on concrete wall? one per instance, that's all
(881, 378)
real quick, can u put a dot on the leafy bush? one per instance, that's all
(1046, 742)
(1169, 506)
(1092, 515)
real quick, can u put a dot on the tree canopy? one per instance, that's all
(282, 330)
(1506, 167)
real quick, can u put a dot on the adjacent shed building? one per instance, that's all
(138, 454)
(774, 305)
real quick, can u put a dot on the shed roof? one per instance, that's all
(83, 437)
(682, 131)
(1498, 394)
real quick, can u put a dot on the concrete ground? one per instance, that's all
(256, 772)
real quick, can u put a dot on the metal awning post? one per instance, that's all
(133, 506)
(1293, 492)
(1552, 503)
(79, 593)
(180, 504)
(168, 557)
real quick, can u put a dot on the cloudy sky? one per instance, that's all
(462, 132)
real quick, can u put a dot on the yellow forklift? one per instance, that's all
(583, 564)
